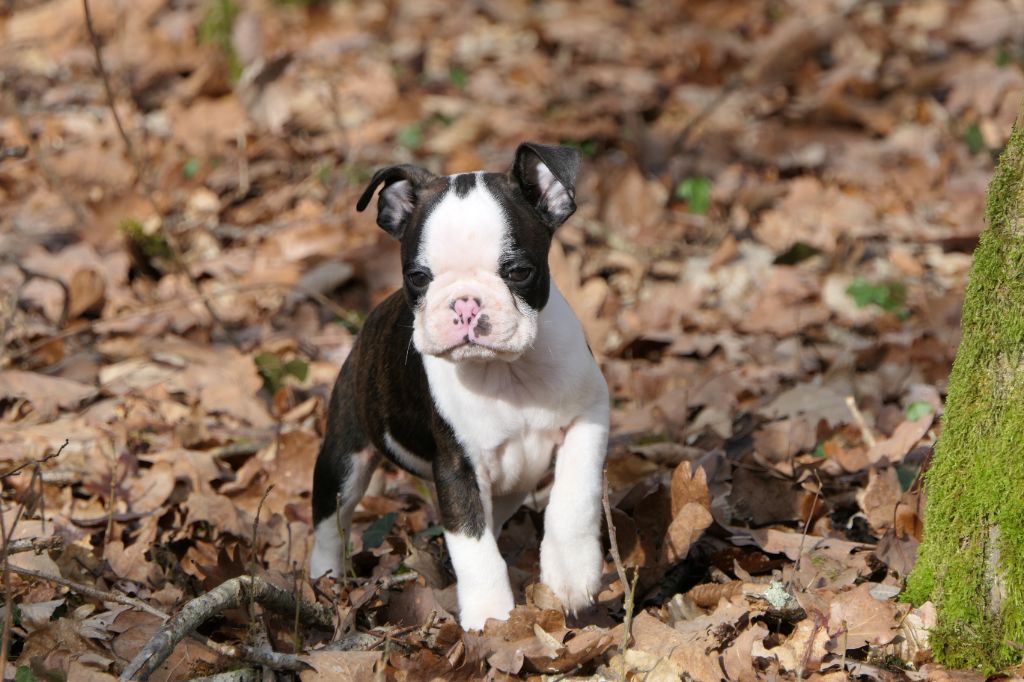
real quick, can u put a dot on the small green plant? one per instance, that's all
(459, 77)
(411, 136)
(24, 674)
(974, 139)
(918, 409)
(151, 244)
(274, 370)
(191, 167)
(889, 296)
(696, 192)
(324, 173)
(216, 29)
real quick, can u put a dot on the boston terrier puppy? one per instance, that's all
(475, 375)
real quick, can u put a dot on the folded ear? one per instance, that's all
(546, 174)
(398, 198)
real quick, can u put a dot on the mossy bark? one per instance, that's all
(971, 562)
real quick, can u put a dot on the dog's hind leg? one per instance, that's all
(339, 482)
(343, 470)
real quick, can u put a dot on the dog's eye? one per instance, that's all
(520, 274)
(418, 279)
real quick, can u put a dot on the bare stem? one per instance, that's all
(629, 588)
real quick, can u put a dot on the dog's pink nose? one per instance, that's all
(469, 323)
(466, 309)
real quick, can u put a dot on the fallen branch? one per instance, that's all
(229, 595)
(272, 659)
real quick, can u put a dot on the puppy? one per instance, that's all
(476, 375)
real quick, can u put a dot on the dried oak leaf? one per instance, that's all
(693, 650)
(46, 393)
(340, 665)
(857, 619)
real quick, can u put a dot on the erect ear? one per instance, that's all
(398, 198)
(546, 174)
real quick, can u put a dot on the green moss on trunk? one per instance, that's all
(971, 563)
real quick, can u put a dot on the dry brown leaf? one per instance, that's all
(878, 499)
(340, 665)
(907, 435)
(708, 595)
(685, 529)
(47, 394)
(857, 619)
(689, 485)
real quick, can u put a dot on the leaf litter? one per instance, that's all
(776, 214)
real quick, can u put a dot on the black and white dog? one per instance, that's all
(476, 375)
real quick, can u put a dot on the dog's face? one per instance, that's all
(475, 249)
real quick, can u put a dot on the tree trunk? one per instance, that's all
(971, 563)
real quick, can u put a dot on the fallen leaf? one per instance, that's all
(857, 619)
(47, 394)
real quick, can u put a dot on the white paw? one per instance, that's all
(327, 547)
(475, 609)
(572, 570)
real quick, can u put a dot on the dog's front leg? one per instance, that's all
(571, 559)
(480, 571)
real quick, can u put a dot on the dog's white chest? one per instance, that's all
(518, 464)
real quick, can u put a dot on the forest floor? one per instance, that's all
(776, 216)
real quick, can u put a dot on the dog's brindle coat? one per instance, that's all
(473, 375)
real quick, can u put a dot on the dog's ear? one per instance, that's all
(398, 198)
(546, 174)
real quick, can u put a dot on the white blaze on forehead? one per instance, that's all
(464, 234)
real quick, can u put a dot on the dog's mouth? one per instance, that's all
(470, 350)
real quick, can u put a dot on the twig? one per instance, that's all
(616, 557)
(37, 545)
(858, 416)
(97, 50)
(228, 595)
(252, 551)
(112, 500)
(47, 458)
(803, 535)
(628, 588)
(94, 593)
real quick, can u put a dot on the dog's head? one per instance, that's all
(475, 248)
